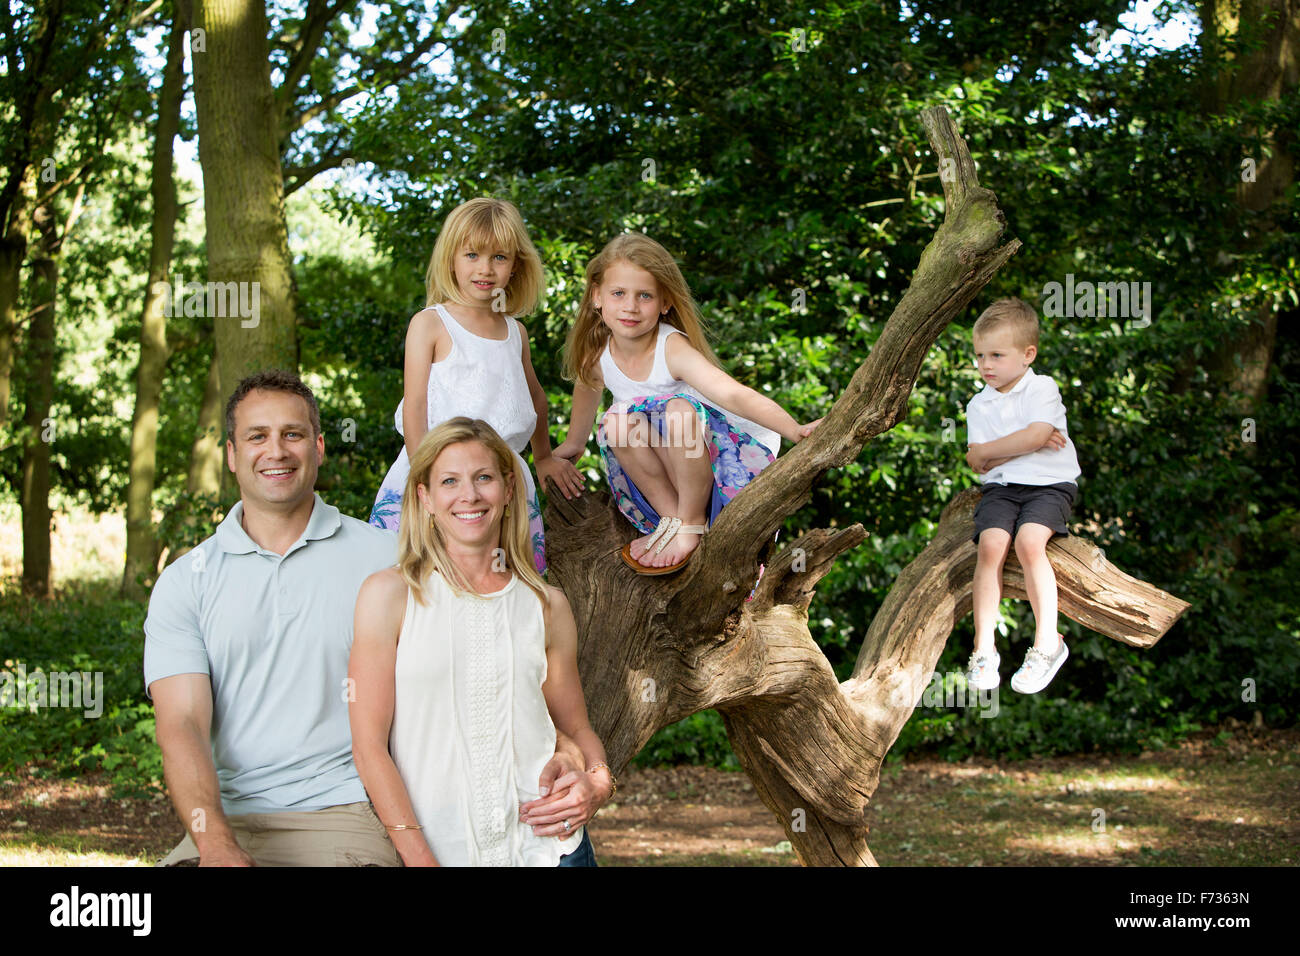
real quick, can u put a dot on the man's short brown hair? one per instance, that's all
(1015, 315)
(273, 380)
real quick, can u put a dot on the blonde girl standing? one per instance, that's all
(467, 354)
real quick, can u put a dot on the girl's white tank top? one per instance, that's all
(661, 382)
(481, 378)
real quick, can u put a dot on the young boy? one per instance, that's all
(1022, 451)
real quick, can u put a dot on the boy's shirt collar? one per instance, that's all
(989, 392)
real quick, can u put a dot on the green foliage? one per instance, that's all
(90, 630)
(188, 519)
(699, 739)
(776, 151)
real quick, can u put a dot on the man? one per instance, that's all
(246, 657)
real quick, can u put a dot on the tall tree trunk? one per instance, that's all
(30, 143)
(141, 548)
(654, 650)
(243, 188)
(40, 429)
(1265, 69)
(13, 252)
(205, 454)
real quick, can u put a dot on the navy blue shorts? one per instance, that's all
(584, 855)
(1009, 506)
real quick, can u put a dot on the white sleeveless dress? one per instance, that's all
(738, 448)
(480, 378)
(471, 732)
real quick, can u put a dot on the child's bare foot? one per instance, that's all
(677, 551)
(644, 543)
(641, 545)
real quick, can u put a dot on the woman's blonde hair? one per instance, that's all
(486, 225)
(420, 548)
(587, 337)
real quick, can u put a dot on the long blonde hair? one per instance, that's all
(420, 548)
(486, 224)
(587, 337)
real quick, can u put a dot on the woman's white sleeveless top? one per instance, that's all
(661, 382)
(471, 731)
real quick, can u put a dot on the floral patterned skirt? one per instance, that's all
(735, 456)
(387, 509)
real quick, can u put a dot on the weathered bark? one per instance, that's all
(243, 187)
(204, 477)
(655, 650)
(1266, 69)
(1254, 46)
(39, 429)
(141, 548)
(43, 68)
(31, 133)
(42, 430)
(13, 251)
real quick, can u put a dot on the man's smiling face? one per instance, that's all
(272, 451)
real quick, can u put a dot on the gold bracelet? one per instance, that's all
(404, 826)
(612, 779)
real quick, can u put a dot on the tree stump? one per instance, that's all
(654, 650)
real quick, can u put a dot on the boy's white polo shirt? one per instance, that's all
(273, 632)
(991, 415)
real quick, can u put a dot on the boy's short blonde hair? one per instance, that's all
(486, 225)
(1015, 315)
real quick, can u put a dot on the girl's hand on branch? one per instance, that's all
(560, 470)
(806, 430)
(571, 451)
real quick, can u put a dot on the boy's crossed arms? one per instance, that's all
(1038, 436)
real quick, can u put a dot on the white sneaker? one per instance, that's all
(982, 671)
(1038, 670)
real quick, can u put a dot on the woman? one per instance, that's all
(464, 663)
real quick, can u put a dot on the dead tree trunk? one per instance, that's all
(655, 650)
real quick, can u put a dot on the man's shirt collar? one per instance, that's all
(233, 539)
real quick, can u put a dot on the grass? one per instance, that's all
(1211, 802)
(1207, 804)
(1230, 798)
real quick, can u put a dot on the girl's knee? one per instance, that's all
(626, 430)
(681, 423)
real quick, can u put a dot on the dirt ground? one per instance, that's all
(1226, 798)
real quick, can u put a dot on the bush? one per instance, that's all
(699, 739)
(87, 629)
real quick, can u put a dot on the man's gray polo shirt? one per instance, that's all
(274, 634)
